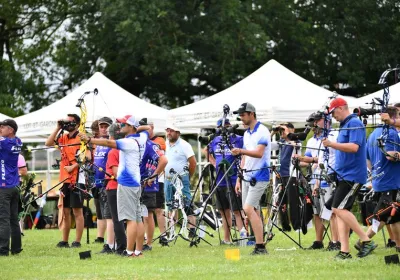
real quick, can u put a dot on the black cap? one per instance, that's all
(105, 120)
(288, 125)
(77, 119)
(315, 117)
(10, 123)
(245, 107)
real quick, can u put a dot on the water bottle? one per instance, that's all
(243, 235)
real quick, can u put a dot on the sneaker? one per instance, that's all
(106, 250)
(119, 252)
(147, 247)
(125, 254)
(163, 241)
(223, 242)
(390, 243)
(358, 245)
(75, 244)
(140, 255)
(343, 256)
(99, 240)
(16, 252)
(63, 244)
(316, 246)
(259, 251)
(366, 248)
(333, 246)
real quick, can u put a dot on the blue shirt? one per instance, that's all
(100, 160)
(9, 152)
(221, 152)
(352, 166)
(385, 172)
(149, 164)
(129, 159)
(257, 168)
(285, 157)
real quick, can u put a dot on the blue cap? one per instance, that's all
(219, 122)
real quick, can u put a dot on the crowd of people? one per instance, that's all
(129, 172)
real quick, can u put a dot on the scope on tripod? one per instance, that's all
(301, 136)
(365, 112)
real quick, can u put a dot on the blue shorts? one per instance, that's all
(170, 190)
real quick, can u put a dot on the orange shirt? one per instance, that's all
(160, 142)
(68, 157)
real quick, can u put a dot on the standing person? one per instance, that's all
(128, 194)
(10, 147)
(290, 195)
(71, 197)
(160, 197)
(385, 170)
(104, 221)
(351, 169)
(221, 157)
(23, 171)
(153, 164)
(256, 157)
(114, 131)
(180, 154)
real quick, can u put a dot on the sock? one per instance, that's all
(137, 252)
(334, 242)
(111, 246)
(345, 253)
(129, 252)
(260, 246)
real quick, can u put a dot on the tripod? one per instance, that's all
(277, 200)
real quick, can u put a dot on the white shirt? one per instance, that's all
(177, 154)
(332, 136)
(312, 145)
(251, 139)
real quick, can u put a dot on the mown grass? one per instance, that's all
(41, 260)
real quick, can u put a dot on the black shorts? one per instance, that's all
(73, 198)
(103, 203)
(160, 197)
(383, 209)
(225, 199)
(149, 200)
(345, 195)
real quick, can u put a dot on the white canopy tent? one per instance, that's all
(278, 94)
(3, 117)
(111, 101)
(365, 101)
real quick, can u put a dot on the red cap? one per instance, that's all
(337, 102)
(129, 119)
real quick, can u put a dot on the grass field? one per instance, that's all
(42, 260)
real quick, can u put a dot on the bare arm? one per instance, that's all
(257, 153)
(115, 171)
(192, 165)
(23, 171)
(344, 147)
(96, 141)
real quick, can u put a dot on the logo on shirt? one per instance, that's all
(157, 150)
(3, 171)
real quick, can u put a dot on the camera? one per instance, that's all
(277, 128)
(365, 111)
(66, 123)
(301, 136)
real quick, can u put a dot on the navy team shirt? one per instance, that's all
(223, 152)
(10, 149)
(100, 160)
(149, 164)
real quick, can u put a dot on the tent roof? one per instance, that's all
(3, 117)
(277, 93)
(365, 101)
(111, 101)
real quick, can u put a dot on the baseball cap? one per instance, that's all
(114, 130)
(219, 122)
(245, 107)
(315, 117)
(337, 102)
(173, 127)
(129, 119)
(146, 121)
(288, 125)
(10, 123)
(105, 120)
